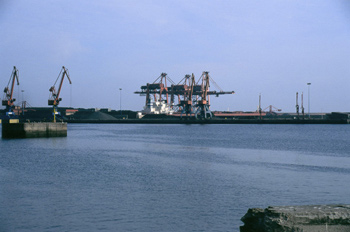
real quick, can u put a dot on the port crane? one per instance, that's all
(157, 89)
(203, 104)
(271, 109)
(297, 105)
(54, 99)
(187, 103)
(182, 90)
(8, 99)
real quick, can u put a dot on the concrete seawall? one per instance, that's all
(311, 218)
(34, 130)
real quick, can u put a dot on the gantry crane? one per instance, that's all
(8, 99)
(201, 108)
(180, 89)
(54, 98)
(157, 89)
(203, 104)
(187, 104)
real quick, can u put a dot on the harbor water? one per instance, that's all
(125, 177)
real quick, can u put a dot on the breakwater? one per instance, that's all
(310, 218)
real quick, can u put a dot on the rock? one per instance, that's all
(310, 218)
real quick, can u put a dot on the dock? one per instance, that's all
(210, 121)
(33, 129)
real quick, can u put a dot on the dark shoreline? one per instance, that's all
(211, 121)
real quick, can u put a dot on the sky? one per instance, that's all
(273, 48)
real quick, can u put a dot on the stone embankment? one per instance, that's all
(311, 218)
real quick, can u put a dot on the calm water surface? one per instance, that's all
(168, 177)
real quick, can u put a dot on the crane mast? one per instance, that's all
(203, 110)
(186, 103)
(55, 99)
(8, 100)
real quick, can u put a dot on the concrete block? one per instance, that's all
(34, 130)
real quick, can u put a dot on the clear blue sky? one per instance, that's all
(270, 47)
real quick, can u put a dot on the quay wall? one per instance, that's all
(211, 121)
(34, 130)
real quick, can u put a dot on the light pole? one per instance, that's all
(120, 98)
(308, 98)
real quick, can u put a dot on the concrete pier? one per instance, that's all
(311, 218)
(33, 130)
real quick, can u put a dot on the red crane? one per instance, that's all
(55, 99)
(8, 100)
(186, 103)
(157, 89)
(193, 97)
(203, 104)
(181, 89)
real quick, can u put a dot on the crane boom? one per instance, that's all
(8, 98)
(65, 73)
(55, 96)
